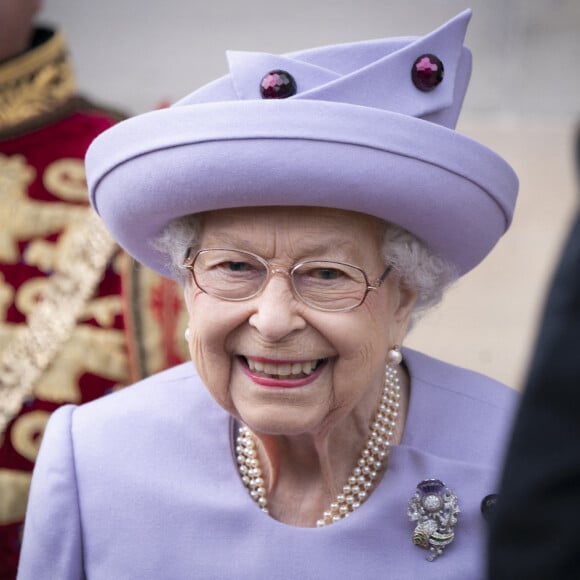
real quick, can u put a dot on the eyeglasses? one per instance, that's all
(236, 275)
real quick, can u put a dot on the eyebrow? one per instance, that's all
(333, 245)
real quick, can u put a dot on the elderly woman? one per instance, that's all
(311, 205)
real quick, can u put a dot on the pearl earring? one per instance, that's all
(186, 334)
(394, 356)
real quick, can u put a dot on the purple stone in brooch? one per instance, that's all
(434, 508)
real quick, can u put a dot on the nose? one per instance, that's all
(276, 311)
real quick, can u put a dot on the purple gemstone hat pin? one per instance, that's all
(435, 509)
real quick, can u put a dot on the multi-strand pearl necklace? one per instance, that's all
(371, 462)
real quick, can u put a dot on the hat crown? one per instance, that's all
(374, 74)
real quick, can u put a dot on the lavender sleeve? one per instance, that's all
(52, 543)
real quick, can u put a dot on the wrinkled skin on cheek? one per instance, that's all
(207, 348)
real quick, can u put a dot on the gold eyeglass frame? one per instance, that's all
(273, 269)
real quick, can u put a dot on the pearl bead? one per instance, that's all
(395, 356)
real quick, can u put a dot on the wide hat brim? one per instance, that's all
(455, 194)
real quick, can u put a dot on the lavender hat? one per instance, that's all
(366, 126)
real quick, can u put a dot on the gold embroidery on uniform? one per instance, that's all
(7, 331)
(53, 320)
(90, 350)
(15, 177)
(14, 486)
(66, 179)
(46, 256)
(29, 294)
(35, 83)
(104, 310)
(15, 174)
(23, 218)
(26, 433)
(6, 296)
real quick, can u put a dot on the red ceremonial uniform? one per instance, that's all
(79, 318)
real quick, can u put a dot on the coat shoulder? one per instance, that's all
(457, 412)
(173, 395)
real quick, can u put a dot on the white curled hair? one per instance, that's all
(417, 267)
(412, 261)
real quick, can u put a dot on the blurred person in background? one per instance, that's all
(533, 531)
(78, 319)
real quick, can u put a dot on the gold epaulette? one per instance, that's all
(38, 82)
(85, 257)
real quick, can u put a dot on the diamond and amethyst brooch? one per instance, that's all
(434, 508)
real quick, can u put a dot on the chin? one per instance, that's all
(284, 422)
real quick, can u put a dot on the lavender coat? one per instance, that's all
(142, 485)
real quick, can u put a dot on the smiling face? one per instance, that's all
(275, 363)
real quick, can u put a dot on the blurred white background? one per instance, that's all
(523, 101)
